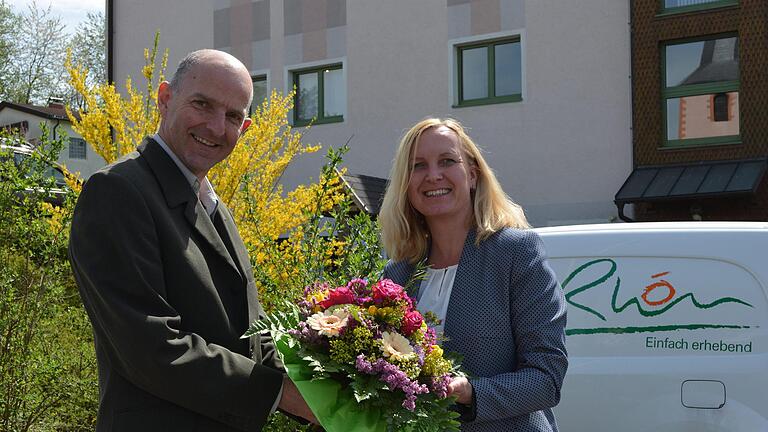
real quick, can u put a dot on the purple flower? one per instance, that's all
(359, 287)
(430, 338)
(439, 386)
(419, 352)
(363, 365)
(394, 378)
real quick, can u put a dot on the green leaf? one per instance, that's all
(364, 388)
(278, 322)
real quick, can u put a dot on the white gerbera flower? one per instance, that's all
(329, 323)
(395, 345)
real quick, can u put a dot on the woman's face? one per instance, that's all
(441, 178)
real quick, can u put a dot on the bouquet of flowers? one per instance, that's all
(362, 355)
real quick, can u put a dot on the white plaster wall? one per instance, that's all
(396, 63)
(562, 153)
(184, 26)
(566, 149)
(85, 167)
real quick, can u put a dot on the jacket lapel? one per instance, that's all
(228, 229)
(177, 191)
(461, 284)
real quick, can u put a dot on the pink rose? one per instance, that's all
(387, 291)
(340, 295)
(411, 322)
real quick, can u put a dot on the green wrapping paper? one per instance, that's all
(335, 407)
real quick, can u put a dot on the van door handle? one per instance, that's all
(703, 394)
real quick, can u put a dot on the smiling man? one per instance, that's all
(165, 276)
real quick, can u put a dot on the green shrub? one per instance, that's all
(47, 365)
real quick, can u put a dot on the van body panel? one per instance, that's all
(667, 326)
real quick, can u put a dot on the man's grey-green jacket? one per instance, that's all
(169, 296)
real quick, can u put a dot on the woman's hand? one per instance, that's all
(462, 389)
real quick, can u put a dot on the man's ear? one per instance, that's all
(164, 94)
(246, 124)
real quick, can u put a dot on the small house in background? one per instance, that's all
(367, 192)
(77, 155)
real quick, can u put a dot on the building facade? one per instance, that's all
(543, 86)
(700, 97)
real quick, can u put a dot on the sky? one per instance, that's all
(72, 12)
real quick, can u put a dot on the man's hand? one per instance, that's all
(292, 402)
(462, 389)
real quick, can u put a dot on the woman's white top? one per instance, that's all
(435, 291)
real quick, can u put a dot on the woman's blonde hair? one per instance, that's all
(403, 231)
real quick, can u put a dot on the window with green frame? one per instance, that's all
(677, 6)
(260, 92)
(320, 95)
(701, 91)
(489, 72)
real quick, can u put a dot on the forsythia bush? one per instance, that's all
(131, 117)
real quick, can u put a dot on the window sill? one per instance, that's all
(489, 101)
(318, 121)
(701, 142)
(697, 8)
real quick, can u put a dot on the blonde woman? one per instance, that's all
(488, 278)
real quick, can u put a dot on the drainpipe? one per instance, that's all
(622, 216)
(58, 121)
(110, 13)
(620, 206)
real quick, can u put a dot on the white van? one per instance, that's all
(667, 326)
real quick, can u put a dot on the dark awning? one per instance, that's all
(696, 180)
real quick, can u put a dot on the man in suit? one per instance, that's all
(165, 276)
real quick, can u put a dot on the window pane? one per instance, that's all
(76, 148)
(58, 176)
(333, 93)
(701, 62)
(307, 91)
(673, 119)
(720, 107)
(694, 117)
(507, 69)
(681, 3)
(474, 73)
(259, 92)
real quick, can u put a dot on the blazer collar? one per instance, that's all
(462, 282)
(177, 191)
(175, 187)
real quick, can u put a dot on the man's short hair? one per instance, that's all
(185, 65)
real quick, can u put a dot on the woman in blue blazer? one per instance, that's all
(488, 281)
